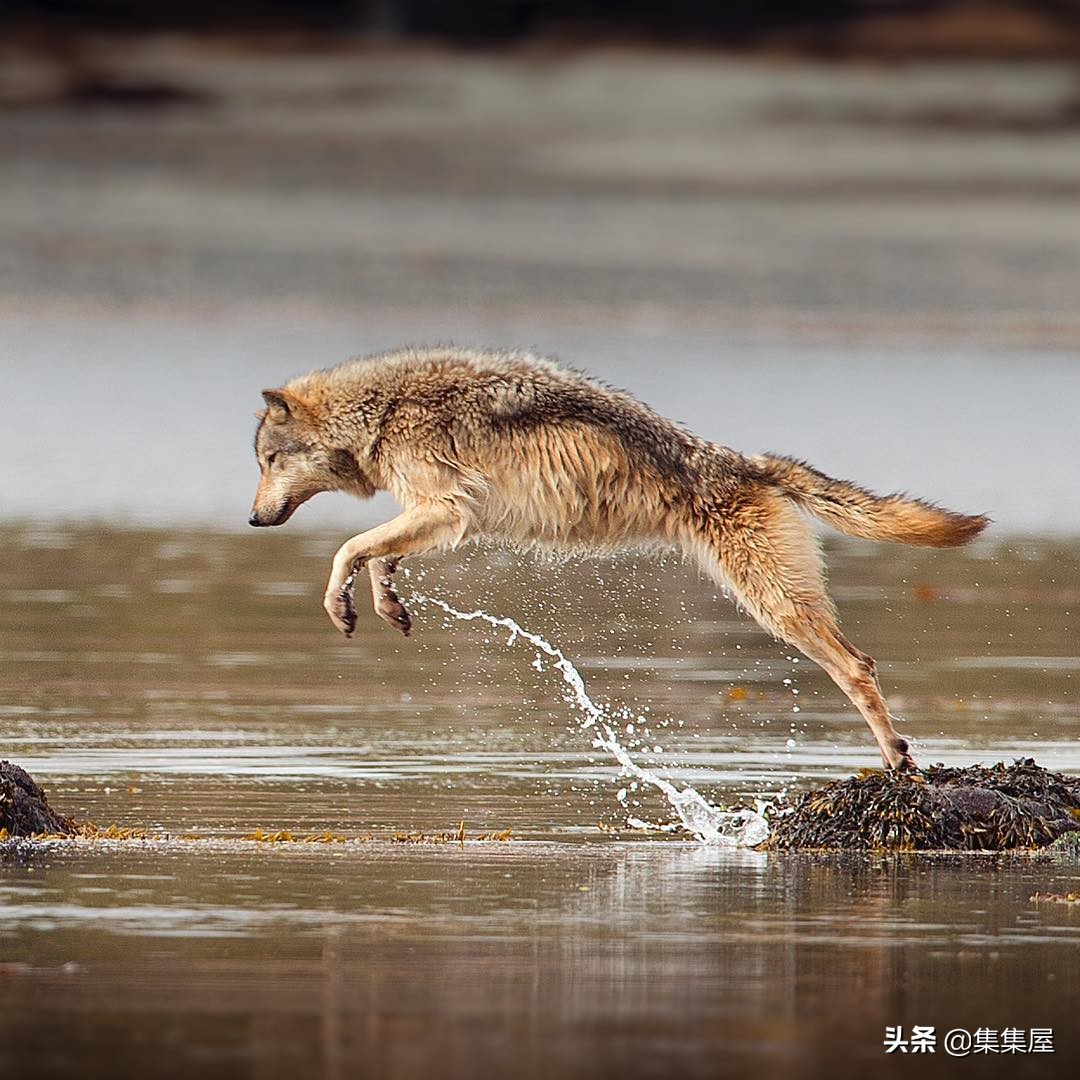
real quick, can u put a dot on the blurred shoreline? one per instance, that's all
(841, 30)
(926, 202)
(871, 266)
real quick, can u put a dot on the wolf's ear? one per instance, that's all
(281, 404)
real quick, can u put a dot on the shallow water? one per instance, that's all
(189, 684)
(191, 681)
(605, 959)
(613, 731)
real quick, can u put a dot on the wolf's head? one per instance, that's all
(298, 458)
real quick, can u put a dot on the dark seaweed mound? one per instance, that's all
(974, 809)
(24, 810)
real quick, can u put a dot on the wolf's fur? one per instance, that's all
(511, 447)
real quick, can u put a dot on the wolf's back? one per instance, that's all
(858, 512)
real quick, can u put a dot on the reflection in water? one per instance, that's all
(634, 959)
(230, 705)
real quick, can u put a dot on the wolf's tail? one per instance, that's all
(858, 512)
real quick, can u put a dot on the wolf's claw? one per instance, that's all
(904, 762)
(391, 610)
(385, 600)
(341, 609)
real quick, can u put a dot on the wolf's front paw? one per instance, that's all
(391, 610)
(341, 609)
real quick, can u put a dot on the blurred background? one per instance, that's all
(845, 230)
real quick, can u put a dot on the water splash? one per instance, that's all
(710, 824)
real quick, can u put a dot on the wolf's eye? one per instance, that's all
(271, 458)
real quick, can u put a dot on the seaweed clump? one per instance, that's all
(24, 809)
(978, 808)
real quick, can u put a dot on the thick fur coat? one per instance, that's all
(510, 447)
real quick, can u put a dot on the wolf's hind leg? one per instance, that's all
(388, 605)
(775, 567)
(420, 528)
(815, 633)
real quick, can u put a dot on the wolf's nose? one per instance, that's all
(253, 520)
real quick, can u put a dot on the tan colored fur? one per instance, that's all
(510, 447)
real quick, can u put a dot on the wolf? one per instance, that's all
(511, 447)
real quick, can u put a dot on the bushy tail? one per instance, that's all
(858, 512)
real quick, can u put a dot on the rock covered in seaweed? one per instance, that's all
(973, 809)
(24, 809)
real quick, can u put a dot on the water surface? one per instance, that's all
(188, 684)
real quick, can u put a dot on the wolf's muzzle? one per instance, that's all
(263, 518)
